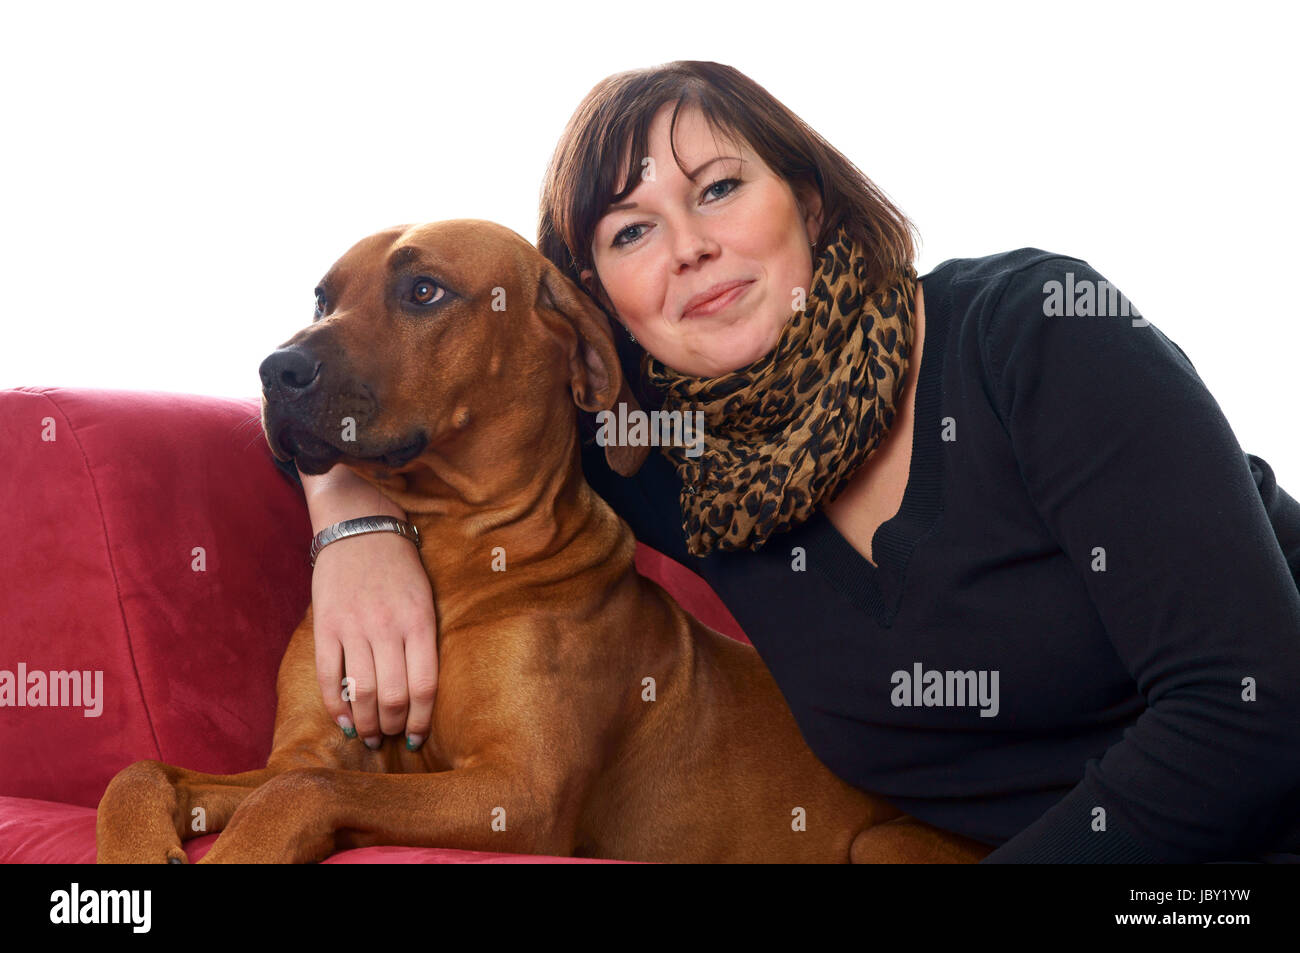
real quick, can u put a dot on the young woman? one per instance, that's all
(987, 528)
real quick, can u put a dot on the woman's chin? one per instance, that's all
(722, 365)
(737, 350)
(743, 357)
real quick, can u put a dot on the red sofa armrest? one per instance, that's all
(156, 555)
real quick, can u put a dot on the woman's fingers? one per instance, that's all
(360, 673)
(422, 682)
(390, 677)
(329, 675)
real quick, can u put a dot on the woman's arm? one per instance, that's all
(372, 603)
(1131, 464)
(373, 616)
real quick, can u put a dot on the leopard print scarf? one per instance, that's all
(788, 431)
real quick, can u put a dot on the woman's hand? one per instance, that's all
(373, 616)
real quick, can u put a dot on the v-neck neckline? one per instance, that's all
(877, 589)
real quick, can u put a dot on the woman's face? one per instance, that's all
(740, 222)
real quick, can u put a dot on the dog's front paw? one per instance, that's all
(140, 850)
(135, 820)
(285, 821)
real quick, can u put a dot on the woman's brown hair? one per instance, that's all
(588, 165)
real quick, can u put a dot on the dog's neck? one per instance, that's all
(519, 486)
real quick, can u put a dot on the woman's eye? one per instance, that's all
(425, 291)
(618, 244)
(734, 183)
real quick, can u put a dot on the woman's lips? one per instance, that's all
(714, 305)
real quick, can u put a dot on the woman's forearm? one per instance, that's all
(339, 494)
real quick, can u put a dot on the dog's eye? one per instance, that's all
(320, 304)
(426, 291)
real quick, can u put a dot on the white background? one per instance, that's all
(176, 179)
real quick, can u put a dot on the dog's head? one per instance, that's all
(425, 334)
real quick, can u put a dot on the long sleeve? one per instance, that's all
(1135, 471)
(1283, 512)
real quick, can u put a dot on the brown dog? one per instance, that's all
(458, 352)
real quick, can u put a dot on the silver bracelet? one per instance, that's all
(362, 524)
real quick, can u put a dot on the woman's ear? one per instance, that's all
(592, 286)
(596, 376)
(810, 207)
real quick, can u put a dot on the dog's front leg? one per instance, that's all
(304, 814)
(150, 807)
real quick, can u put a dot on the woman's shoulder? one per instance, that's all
(999, 266)
(1030, 315)
(1008, 293)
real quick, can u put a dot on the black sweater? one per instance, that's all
(1081, 531)
(1079, 520)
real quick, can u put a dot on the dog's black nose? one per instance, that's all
(289, 371)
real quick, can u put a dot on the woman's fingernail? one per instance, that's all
(346, 724)
(414, 741)
(373, 742)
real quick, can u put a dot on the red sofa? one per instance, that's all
(147, 536)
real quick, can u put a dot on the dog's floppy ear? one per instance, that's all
(596, 377)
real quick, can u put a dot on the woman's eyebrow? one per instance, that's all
(690, 175)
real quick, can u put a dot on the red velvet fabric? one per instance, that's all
(147, 536)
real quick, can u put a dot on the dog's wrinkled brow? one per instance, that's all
(409, 255)
(398, 260)
(413, 260)
(403, 256)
